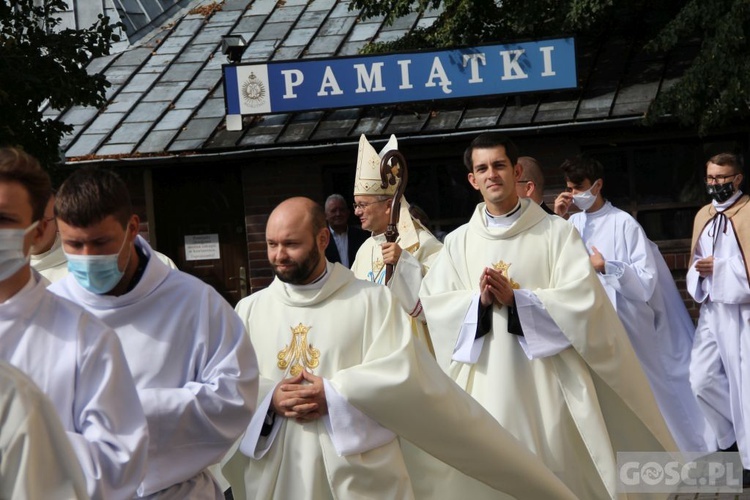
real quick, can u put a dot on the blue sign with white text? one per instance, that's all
(291, 86)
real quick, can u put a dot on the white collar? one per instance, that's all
(505, 220)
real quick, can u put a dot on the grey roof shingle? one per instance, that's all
(167, 94)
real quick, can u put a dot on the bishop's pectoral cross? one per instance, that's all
(298, 355)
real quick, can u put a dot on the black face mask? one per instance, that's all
(720, 192)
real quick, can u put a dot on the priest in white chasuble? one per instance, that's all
(414, 250)
(342, 376)
(519, 319)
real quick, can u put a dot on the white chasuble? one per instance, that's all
(574, 409)
(358, 339)
(407, 276)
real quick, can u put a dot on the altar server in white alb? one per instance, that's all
(342, 375)
(719, 279)
(192, 362)
(413, 251)
(519, 319)
(640, 286)
(73, 357)
(36, 460)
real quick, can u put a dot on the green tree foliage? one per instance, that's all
(39, 62)
(713, 93)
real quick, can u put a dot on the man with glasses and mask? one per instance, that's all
(193, 365)
(410, 255)
(75, 359)
(718, 279)
(642, 290)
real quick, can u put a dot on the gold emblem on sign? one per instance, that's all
(299, 355)
(503, 268)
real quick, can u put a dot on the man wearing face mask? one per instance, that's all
(73, 357)
(718, 279)
(194, 367)
(640, 287)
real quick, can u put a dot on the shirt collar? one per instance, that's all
(505, 220)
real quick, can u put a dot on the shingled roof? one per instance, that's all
(167, 96)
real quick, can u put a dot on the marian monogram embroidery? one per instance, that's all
(503, 268)
(299, 355)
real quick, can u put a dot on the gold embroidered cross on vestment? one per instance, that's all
(298, 354)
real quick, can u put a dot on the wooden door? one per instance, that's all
(200, 224)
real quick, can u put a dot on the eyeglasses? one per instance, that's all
(718, 179)
(523, 182)
(362, 205)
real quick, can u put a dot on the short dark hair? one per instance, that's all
(19, 166)
(91, 194)
(582, 167)
(490, 140)
(727, 160)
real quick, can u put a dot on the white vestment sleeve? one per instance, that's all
(254, 445)
(351, 431)
(635, 280)
(405, 284)
(695, 286)
(213, 410)
(36, 458)
(111, 436)
(541, 335)
(729, 281)
(468, 347)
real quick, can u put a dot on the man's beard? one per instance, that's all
(301, 270)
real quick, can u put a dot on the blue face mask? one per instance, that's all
(98, 274)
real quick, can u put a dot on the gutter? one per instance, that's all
(190, 157)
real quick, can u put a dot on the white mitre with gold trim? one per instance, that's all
(367, 182)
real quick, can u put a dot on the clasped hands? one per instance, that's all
(494, 287)
(301, 397)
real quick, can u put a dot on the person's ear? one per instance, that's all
(133, 226)
(38, 232)
(473, 181)
(323, 237)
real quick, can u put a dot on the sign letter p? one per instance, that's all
(292, 78)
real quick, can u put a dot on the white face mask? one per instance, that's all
(12, 256)
(586, 199)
